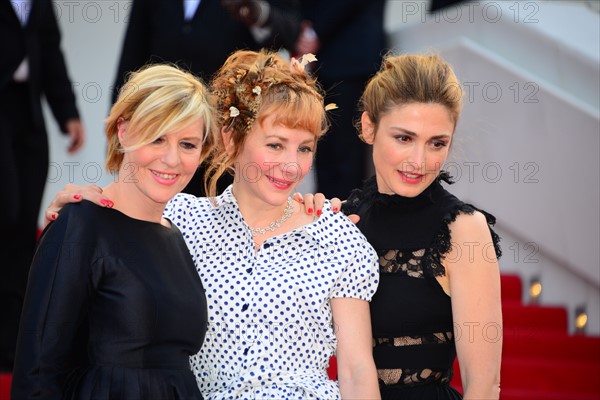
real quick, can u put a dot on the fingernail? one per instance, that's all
(76, 196)
(310, 210)
(335, 209)
(53, 216)
(319, 212)
(107, 203)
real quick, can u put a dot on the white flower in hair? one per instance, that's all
(307, 59)
(233, 112)
(257, 90)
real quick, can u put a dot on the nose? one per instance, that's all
(416, 159)
(292, 167)
(170, 155)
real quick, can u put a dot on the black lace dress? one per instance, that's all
(411, 314)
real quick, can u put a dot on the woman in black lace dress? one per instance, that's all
(439, 291)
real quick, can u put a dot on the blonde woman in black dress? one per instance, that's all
(110, 288)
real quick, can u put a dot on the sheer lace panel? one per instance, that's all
(407, 262)
(428, 338)
(407, 376)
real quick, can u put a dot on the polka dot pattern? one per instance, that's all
(270, 333)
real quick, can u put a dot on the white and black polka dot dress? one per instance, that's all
(270, 333)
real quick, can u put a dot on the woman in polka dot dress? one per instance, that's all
(285, 290)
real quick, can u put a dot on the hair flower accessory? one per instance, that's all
(257, 90)
(302, 61)
(306, 59)
(233, 112)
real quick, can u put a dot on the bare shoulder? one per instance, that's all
(469, 226)
(470, 235)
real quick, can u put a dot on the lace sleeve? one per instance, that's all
(441, 244)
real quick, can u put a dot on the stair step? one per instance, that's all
(532, 320)
(550, 375)
(5, 380)
(551, 346)
(512, 288)
(525, 375)
(525, 394)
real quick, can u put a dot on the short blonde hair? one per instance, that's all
(408, 79)
(255, 85)
(155, 100)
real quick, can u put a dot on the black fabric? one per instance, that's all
(411, 314)
(113, 310)
(437, 5)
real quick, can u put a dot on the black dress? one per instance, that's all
(113, 310)
(410, 312)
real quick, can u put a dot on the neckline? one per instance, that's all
(140, 221)
(427, 197)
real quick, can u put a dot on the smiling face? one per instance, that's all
(155, 172)
(272, 161)
(409, 147)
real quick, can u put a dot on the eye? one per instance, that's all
(403, 138)
(159, 140)
(439, 144)
(305, 149)
(189, 145)
(275, 146)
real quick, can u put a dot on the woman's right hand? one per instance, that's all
(317, 201)
(75, 194)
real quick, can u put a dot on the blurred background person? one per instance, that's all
(348, 39)
(201, 34)
(32, 67)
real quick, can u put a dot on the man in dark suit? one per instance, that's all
(200, 35)
(32, 66)
(348, 39)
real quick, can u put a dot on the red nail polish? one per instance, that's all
(53, 216)
(76, 196)
(310, 211)
(319, 212)
(335, 209)
(107, 203)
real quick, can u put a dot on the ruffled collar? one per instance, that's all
(370, 194)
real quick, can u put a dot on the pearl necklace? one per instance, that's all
(275, 224)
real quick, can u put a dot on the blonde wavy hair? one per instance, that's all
(155, 100)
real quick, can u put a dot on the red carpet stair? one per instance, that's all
(540, 361)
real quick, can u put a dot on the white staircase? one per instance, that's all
(527, 147)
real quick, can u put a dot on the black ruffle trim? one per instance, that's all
(431, 261)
